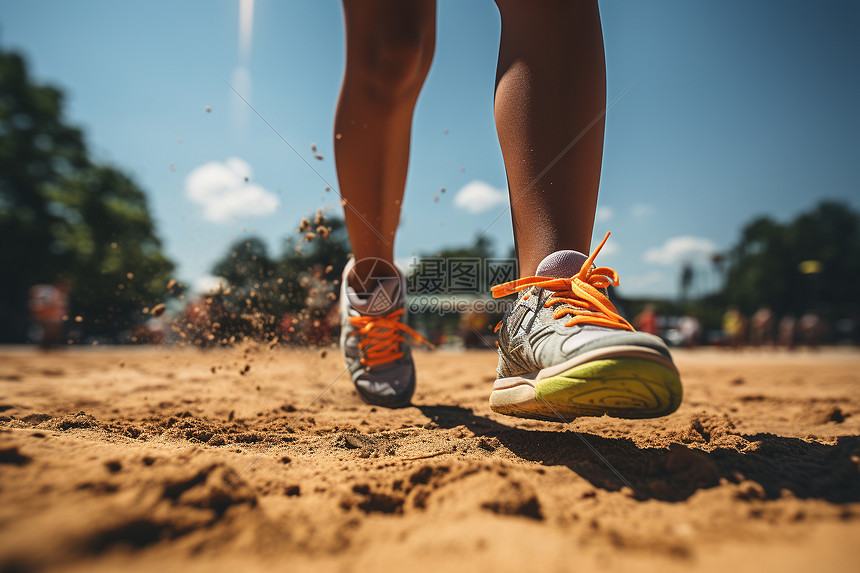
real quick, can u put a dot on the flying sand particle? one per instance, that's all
(313, 146)
(318, 156)
(158, 309)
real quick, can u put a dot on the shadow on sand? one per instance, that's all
(674, 473)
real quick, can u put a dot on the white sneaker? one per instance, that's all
(374, 338)
(565, 351)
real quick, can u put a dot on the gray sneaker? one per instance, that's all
(373, 337)
(565, 351)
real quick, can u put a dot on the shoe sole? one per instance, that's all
(401, 400)
(624, 382)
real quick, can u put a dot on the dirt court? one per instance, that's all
(142, 459)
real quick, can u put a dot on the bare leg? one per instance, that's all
(389, 48)
(550, 85)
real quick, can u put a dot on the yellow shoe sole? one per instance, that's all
(621, 387)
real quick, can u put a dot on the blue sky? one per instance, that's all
(735, 109)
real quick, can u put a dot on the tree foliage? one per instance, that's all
(436, 323)
(765, 268)
(64, 219)
(259, 289)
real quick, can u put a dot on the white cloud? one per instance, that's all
(680, 249)
(224, 193)
(642, 210)
(477, 197)
(604, 214)
(207, 284)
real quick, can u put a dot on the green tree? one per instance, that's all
(765, 267)
(117, 264)
(60, 216)
(37, 149)
(300, 257)
(259, 290)
(246, 265)
(434, 323)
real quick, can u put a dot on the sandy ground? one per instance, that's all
(146, 458)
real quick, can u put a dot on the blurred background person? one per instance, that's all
(734, 327)
(810, 330)
(48, 307)
(691, 331)
(787, 331)
(761, 327)
(647, 320)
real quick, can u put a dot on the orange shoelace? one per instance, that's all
(580, 296)
(383, 336)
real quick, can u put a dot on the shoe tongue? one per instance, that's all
(382, 300)
(561, 264)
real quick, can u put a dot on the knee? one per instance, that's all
(392, 65)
